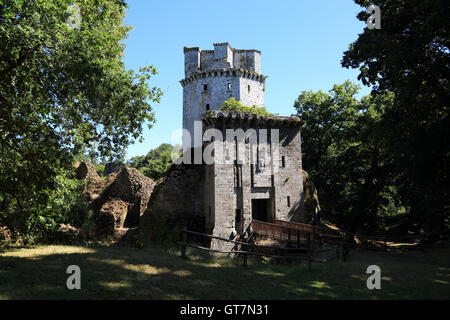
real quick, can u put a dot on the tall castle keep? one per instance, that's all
(214, 76)
(256, 173)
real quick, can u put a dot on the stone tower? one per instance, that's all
(214, 76)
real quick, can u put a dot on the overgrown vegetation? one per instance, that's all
(345, 155)
(235, 105)
(156, 163)
(62, 89)
(66, 203)
(382, 162)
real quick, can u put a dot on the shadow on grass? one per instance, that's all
(130, 273)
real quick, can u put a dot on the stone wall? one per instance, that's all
(276, 180)
(247, 59)
(289, 179)
(223, 56)
(123, 202)
(226, 73)
(178, 198)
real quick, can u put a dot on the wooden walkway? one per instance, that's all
(299, 234)
(248, 249)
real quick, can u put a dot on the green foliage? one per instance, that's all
(61, 90)
(409, 56)
(156, 163)
(233, 105)
(65, 204)
(100, 168)
(345, 155)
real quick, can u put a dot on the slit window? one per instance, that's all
(283, 161)
(237, 175)
(229, 86)
(207, 106)
(288, 201)
(238, 217)
(248, 88)
(205, 87)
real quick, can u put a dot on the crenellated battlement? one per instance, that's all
(222, 57)
(214, 76)
(224, 72)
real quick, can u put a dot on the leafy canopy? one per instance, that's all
(62, 89)
(345, 155)
(156, 163)
(410, 57)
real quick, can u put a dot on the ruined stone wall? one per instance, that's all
(178, 198)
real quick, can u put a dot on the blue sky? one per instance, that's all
(302, 42)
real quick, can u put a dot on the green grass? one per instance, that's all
(129, 273)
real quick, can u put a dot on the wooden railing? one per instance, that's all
(294, 232)
(300, 237)
(298, 226)
(248, 249)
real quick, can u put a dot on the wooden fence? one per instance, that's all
(248, 249)
(300, 234)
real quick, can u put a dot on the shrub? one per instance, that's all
(235, 105)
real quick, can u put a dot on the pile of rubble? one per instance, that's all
(117, 201)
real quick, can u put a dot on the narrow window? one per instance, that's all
(288, 201)
(238, 221)
(248, 88)
(207, 106)
(283, 162)
(238, 217)
(205, 87)
(237, 175)
(229, 86)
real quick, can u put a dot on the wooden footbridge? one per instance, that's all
(307, 239)
(295, 234)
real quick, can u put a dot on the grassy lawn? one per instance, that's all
(130, 273)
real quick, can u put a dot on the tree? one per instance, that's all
(410, 57)
(62, 88)
(344, 154)
(156, 163)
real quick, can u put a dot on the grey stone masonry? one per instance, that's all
(257, 175)
(214, 76)
(251, 166)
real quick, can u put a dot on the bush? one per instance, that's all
(235, 105)
(34, 222)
